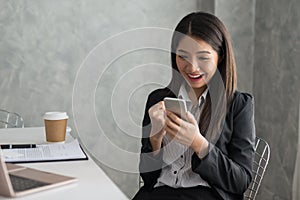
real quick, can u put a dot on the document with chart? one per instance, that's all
(46, 153)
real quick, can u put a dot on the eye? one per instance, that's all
(182, 57)
(203, 58)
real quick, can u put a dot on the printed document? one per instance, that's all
(46, 152)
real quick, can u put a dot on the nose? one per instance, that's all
(193, 65)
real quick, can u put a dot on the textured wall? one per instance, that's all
(296, 177)
(207, 6)
(43, 44)
(276, 89)
(238, 17)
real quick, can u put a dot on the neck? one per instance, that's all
(195, 93)
(199, 91)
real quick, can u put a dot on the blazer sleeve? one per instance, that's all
(149, 166)
(232, 171)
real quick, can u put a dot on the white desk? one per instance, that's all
(92, 183)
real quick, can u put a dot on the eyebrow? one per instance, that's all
(198, 52)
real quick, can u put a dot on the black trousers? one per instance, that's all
(169, 193)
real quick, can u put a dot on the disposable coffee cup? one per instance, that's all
(55, 126)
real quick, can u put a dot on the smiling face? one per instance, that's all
(197, 62)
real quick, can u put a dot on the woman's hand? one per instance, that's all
(158, 117)
(186, 132)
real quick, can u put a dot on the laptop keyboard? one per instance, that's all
(20, 183)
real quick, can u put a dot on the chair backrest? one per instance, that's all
(10, 120)
(261, 160)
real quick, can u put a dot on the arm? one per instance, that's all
(231, 171)
(150, 160)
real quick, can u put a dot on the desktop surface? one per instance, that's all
(92, 183)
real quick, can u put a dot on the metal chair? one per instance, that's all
(261, 160)
(10, 120)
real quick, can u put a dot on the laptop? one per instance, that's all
(16, 180)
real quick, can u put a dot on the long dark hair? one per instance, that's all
(222, 86)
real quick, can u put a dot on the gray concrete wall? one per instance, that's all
(276, 89)
(207, 6)
(238, 17)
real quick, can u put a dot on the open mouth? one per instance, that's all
(195, 77)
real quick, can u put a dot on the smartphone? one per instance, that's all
(177, 106)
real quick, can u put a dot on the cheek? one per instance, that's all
(210, 67)
(180, 64)
(211, 72)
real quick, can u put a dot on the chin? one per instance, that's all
(197, 85)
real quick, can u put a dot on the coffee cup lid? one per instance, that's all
(55, 115)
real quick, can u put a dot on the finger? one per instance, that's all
(157, 108)
(160, 105)
(159, 113)
(175, 135)
(170, 124)
(190, 118)
(172, 133)
(177, 120)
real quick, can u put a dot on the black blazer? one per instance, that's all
(227, 167)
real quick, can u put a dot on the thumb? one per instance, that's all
(190, 118)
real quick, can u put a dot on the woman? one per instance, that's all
(209, 155)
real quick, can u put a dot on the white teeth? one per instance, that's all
(194, 76)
